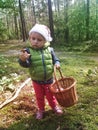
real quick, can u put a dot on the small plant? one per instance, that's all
(92, 76)
(3, 66)
(7, 83)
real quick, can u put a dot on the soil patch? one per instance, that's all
(23, 106)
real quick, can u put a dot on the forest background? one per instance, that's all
(70, 21)
(74, 28)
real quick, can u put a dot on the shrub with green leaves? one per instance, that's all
(7, 83)
(3, 32)
(3, 65)
(92, 76)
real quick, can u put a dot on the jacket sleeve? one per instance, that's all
(54, 57)
(26, 63)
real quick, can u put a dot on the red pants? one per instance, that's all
(42, 90)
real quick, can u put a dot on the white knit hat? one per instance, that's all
(43, 30)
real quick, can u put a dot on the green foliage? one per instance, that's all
(69, 20)
(59, 30)
(3, 31)
(8, 77)
(3, 65)
(77, 23)
(7, 83)
(6, 3)
(92, 76)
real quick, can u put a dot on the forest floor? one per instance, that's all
(24, 106)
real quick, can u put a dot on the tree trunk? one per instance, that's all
(96, 37)
(87, 20)
(55, 5)
(16, 26)
(7, 23)
(24, 33)
(66, 31)
(58, 8)
(33, 6)
(51, 19)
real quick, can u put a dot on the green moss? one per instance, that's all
(82, 116)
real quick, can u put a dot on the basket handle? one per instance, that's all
(57, 80)
(59, 72)
(61, 75)
(56, 77)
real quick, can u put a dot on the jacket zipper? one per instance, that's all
(44, 66)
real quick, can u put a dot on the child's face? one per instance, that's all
(37, 40)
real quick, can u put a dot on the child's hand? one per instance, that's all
(57, 66)
(24, 55)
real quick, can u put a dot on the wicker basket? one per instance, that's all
(64, 89)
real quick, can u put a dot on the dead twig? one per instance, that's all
(15, 94)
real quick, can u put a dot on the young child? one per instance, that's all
(41, 59)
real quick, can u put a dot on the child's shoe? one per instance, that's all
(58, 110)
(39, 114)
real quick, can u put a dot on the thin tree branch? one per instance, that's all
(16, 93)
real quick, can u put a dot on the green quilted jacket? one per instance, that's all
(41, 68)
